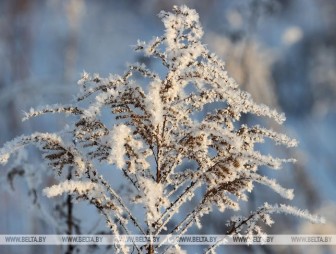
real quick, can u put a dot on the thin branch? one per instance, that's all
(113, 193)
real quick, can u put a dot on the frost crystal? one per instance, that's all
(118, 141)
(153, 198)
(79, 187)
(4, 158)
(154, 103)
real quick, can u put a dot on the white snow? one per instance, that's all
(118, 139)
(72, 186)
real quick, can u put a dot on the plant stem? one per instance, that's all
(69, 220)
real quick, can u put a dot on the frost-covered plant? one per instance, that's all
(159, 126)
